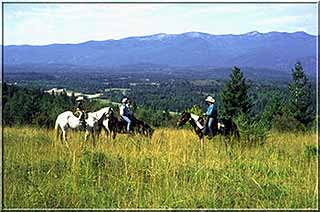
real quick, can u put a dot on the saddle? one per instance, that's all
(214, 127)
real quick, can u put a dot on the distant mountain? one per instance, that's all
(273, 50)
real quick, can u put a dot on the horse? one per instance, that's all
(224, 127)
(141, 127)
(114, 125)
(67, 120)
(94, 121)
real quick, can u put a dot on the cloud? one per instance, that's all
(74, 23)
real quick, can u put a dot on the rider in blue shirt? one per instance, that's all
(211, 115)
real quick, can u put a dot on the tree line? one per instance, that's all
(256, 109)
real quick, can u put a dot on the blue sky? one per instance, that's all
(40, 24)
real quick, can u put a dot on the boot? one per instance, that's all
(204, 130)
(210, 134)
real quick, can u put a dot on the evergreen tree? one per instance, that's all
(300, 101)
(272, 109)
(234, 95)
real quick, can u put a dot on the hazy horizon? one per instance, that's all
(149, 35)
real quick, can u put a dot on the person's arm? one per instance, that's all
(209, 111)
(121, 110)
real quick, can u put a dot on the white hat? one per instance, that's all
(210, 99)
(80, 98)
(124, 100)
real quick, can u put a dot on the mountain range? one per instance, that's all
(273, 50)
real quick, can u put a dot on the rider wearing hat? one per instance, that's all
(80, 105)
(211, 115)
(125, 112)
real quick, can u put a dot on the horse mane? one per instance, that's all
(98, 114)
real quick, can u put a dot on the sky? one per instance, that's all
(41, 24)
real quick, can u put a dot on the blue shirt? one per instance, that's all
(211, 111)
(124, 110)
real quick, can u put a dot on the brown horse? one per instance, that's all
(114, 125)
(227, 128)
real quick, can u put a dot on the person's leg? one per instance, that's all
(128, 122)
(210, 126)
(128, 126)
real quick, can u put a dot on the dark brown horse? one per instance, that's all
(227, 128)
(114, 125)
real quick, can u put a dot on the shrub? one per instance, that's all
(284, 123)
(251, 131)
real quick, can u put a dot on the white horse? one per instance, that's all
(67, 120)
(95, 120)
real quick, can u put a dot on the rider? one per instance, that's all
(80, 108)
(211, 115)
(80, 104)
(125, 112)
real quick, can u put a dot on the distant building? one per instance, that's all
(57, 91)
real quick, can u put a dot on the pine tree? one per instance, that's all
(300, 102)
(272, 109)
(234, 95)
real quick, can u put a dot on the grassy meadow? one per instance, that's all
(168, 171)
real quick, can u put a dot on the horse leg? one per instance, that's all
(62, 135)
(114, 134)
(93, 137)
(64, 132)
(201, 142)
(57, 133)
(225, 144)
(86, 135)
(110, 134)
(107, 134)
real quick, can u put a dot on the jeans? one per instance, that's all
(128, 122)
(210, 121)
(208, 126)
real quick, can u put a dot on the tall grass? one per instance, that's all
(168, 171)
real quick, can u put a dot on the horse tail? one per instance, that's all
(56, 128)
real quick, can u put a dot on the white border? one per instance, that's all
(163, 2)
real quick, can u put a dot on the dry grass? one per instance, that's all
(168, 171)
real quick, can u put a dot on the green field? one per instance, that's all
(169, 171)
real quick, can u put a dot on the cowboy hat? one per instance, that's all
(210, 99)
(124, 100)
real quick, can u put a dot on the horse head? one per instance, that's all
(147, 130)
(185, 116)
(82, 119)
(111, 116)
(108, 113)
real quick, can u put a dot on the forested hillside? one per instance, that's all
(155, 100)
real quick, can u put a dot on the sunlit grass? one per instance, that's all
(168, 171)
